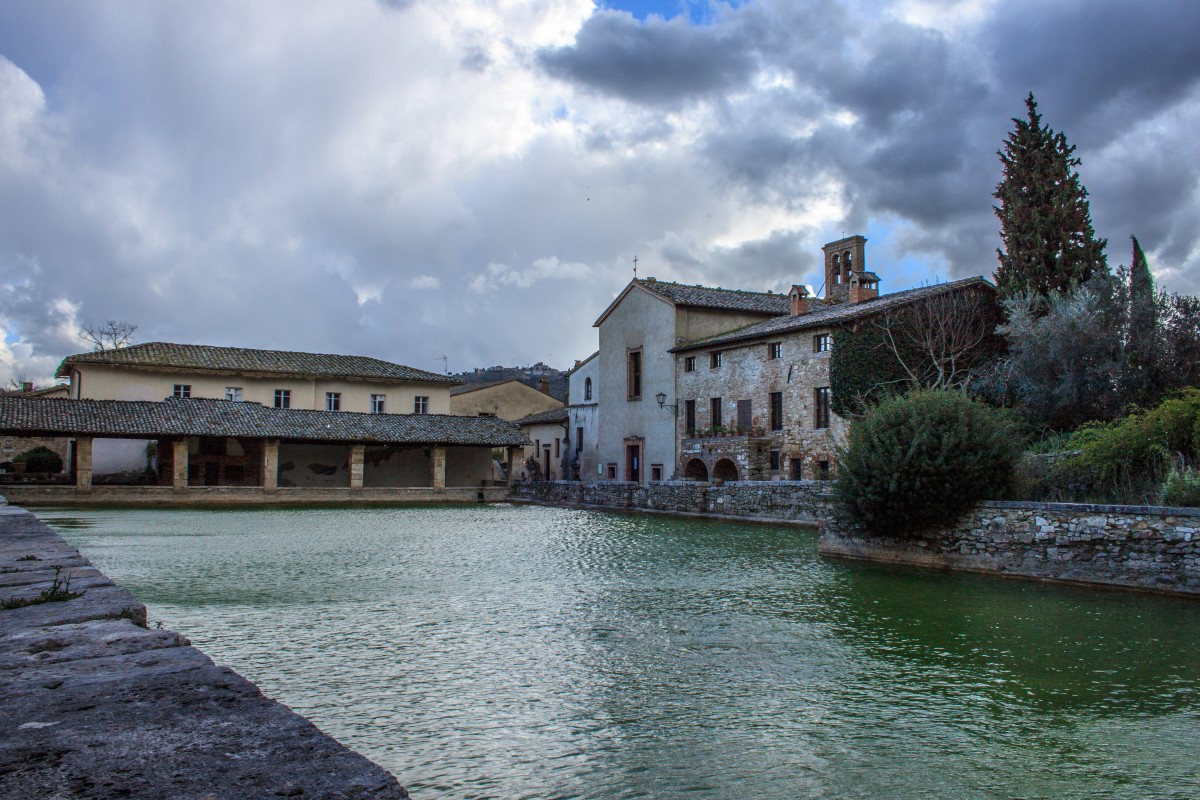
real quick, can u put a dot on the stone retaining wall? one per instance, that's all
(1141, 547)
(98, 706)
(806, 502)
(33, 495)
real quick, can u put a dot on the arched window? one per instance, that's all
(849, 264)
(837, 269)
(587, 389)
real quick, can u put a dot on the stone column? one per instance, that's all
(513, 463)
(83, 463)
(270, 465)
(179, 472)
(357, 452)
(438, 456)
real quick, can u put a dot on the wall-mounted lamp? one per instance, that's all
(661, 397)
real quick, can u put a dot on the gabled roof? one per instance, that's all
(544, 417)
(177, 417)
(242, 360)
(836, 314)
(466, 388)
(679, 294)
(581, 363)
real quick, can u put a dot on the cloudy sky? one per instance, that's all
(414, 179)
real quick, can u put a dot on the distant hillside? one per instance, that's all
(530, 376)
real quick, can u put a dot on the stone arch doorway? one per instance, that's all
(695, 470)
(725, 470)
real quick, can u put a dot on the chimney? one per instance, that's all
(544, 385)
(799, 297)
(863, 286)
(27, 386)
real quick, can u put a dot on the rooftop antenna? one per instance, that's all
(635, 268)
(445, 363)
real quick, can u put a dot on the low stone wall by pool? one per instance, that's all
(1142, 547)
(96, 706)
(102, 495)
(806, 502)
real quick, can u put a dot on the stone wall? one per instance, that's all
(1142, 547)
(32, 495)
(805, 502)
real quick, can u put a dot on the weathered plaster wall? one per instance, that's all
(100, 382)
(468, 466)
(314, 465)
(1133, 546)
(397, 466)
(546, 438)
(511, 400)
(646, 321)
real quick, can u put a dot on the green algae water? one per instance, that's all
(522, 652)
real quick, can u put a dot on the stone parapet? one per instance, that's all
(805, 502)
(1142, 547)
(97, 705)
(248, 496)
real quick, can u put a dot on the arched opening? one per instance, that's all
(587, 389)
(837, 269)
(725, 470)
(695, 470)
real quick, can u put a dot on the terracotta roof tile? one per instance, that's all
(544, 417)
(241, 359)
(826, 316)
(726, 299)
(174, 417)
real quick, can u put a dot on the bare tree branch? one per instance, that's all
(937, 340)
(112, 335)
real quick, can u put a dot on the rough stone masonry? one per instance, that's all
(97, 706)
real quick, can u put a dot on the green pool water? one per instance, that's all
(522, 652)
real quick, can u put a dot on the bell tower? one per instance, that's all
(843, 258)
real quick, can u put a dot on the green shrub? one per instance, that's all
(923, 459)
(1182, 489)
(1126, 461)
(40, 459)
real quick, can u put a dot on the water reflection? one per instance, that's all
(523, 652)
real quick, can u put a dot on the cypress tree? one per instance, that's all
(1045, 224)
(1142, 349)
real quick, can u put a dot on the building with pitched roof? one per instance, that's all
(583, 420)
(244, 451)
(508, 399)
(274, 378)
(705, 383)
(637, 332)
(548, 444)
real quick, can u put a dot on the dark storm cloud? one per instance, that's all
(652, 62)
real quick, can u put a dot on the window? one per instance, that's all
(822, 469)
(689, 413)
(612, 472)
(775, 350)
(689, 364)
(182, 390)
(821, 343)
(378, 403)
(716, 412)
(837, 270)
(797, 469)
(821, 407)
(578, 439)
(776, 412)
(420, 404)
(774, 460)
(714, 359)
(283, 398)
(557, 447)
(587, 389)
(656, 472)
(333, 401)
(635, 374)
(233, 393)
